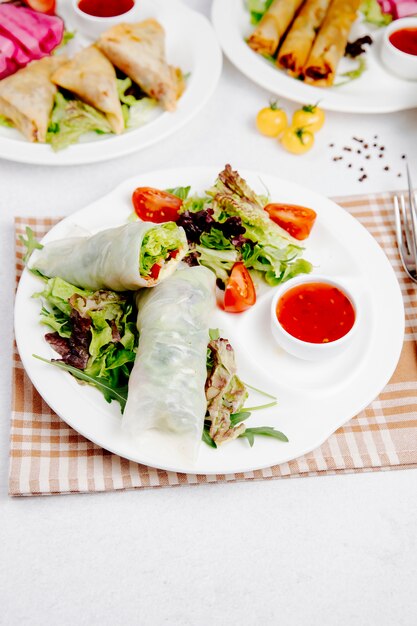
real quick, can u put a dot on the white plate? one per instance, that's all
(189, 35)
(376, 91)
(314, 398)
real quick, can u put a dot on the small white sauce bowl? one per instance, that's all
(92, 26)
(400, 63)
(304, 349)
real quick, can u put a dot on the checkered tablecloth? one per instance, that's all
(48, 457)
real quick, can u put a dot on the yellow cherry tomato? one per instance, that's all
(272, 120)
(297, 140)
(309, 116)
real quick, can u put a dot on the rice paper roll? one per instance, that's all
(330, 45)
(270, 30)
(297, 44)
(138, 254)
(166, 386)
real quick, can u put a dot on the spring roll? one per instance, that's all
(329, 47)
(166, 386)
(139, 254)
(297, 44)
(270, 30)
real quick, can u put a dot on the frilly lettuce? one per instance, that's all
(373, 14)
(157, 243)
(72, 118)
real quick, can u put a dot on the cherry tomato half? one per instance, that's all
(296, 220)
(240, 291)
(43, 6)
(154, 205)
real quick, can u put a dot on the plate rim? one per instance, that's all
(210, 173)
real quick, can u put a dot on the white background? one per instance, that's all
(339, 550)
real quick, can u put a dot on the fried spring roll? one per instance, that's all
(268, 34)
(298, 43)
(329, 47)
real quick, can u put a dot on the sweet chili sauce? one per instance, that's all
(405, 39)
(315, 312)
(105, 8)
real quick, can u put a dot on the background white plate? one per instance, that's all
(314, 398)
(190, 44)
(376, 91)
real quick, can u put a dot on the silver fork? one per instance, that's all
(406, 229)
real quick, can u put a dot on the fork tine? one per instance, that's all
(408, 228)
(398, 227)
(413, 215)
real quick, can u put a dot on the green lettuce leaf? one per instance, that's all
(111, 333)
(373, 14)
(4, 121)
(257, 8)
(156, 245)
(353, 74)
(180, 192)
(72, 118)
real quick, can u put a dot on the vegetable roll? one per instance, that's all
(268, 34)
(135, 255)
(329, 47)
(297, 44)
(166, 386)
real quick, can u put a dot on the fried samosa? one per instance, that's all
(27, 97)
(92, 77)
(139, 51)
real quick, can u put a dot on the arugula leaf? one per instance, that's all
(261, 406)
(263, 393)
(109, 392)
(31, 243)
(206, 437)
(263, 431)
(236, 418)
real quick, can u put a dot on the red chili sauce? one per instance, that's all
(105, 8)
(405, 40)
(315, 312)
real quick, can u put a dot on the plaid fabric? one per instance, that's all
(48, 457)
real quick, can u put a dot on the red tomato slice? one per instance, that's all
(43, 6)
(154, 205)
(240, 291)
(296, 220)
(155, 269)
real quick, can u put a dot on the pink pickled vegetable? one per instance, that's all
(26, 35)
(399, 8)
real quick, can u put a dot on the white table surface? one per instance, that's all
(338, 550)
